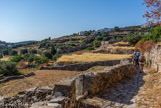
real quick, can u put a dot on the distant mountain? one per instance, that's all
(24, 42)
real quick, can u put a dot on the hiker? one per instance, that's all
(137, 58)
(142, 62)
(134, 58)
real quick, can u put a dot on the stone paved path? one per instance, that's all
(124, 94)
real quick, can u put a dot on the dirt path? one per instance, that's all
(42, 78)
(133, 93)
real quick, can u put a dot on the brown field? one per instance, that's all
(42, 78)
(90, 57)
(122, 48)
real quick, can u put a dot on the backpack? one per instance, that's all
(142, 59)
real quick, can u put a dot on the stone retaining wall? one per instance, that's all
(6, 79)
(119, 51)
(74, 49)
(69, 93)
(153, 57)
(81, 66)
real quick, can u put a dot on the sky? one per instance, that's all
(22, 20)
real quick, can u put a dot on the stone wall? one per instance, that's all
(119, 51)
(6, 79)
(96, 82)
(68, 93)
(83, 66)
(154, 57)
(74, 49)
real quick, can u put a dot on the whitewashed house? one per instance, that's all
(100, 31)
(81, 33)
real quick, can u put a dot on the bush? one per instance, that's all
(90, 48)
(56, 56)
(33, 51)
(1, 56)
(24, 51)
(155, 35)
(48, 55)
(106, 38)
(16, 58)
(53, 50)
(5, 52)
(96, 43)
(44, 60)
(13, 52)
(31, 59)
(116, 28)
(8, 68)
(133, 38)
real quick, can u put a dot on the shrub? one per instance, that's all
(16, 58)
(31, 59)
(90, 48)
(13, 52)
(33, 51)
(48, 55)
(96, 43)
(99, 38)
(53, 50)
(144, 46)
(44, 60)
(5, 52)
(155, 35)
(8, 68)
(56, 56)
(1, 56)
(24, 51)
(133, 38)
(116, 28)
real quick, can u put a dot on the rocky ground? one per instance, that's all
(130, 93)
(41, 78)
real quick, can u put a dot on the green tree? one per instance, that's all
(53, 50)
(24, 51)
(96, 43)
(8, 68)
(155, 35)
(116, 28)
(13, 52)
(16, 58)
(56, 56)
(33, 51)
(48, 55)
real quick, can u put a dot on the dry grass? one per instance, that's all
(122, 48)
(6, 58)
(42, 78)
(121, 43)
(90, 57)
(152, 89)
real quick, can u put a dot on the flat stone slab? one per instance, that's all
(57, 100)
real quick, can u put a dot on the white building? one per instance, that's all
(103, 30)
(81, 33)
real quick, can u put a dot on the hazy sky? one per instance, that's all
(22, 20)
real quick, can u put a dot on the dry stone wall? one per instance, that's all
(153, 57)
(84, 66)
(67, 93)
(6, 79)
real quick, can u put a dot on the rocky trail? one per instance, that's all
(126, 94)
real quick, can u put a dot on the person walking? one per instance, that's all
(137, 58)
(142, 61)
